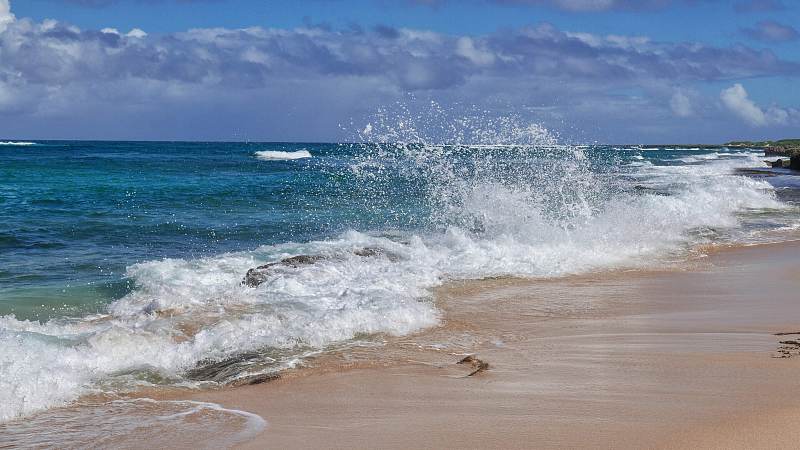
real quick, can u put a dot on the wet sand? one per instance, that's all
(673, 359)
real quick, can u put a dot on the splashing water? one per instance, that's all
(432, 199)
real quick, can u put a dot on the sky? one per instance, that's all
(592, 71)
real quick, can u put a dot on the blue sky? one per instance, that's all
(591, 70)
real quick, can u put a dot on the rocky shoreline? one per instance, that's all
(788, 151)
(790, 157)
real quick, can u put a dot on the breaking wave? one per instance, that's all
(17, 143)
(274, 155)
(498, 197)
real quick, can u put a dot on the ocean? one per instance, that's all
(122, 263)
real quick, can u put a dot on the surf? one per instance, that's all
(492, 198)
(17, 143)
(276, 155)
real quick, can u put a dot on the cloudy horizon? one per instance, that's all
(296, 78)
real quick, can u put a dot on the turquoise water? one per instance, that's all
(76, 214)
(121, 262)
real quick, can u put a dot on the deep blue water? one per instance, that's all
(76, 214)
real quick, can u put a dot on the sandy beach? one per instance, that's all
(674, 359)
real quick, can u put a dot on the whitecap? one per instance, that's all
(17, 143)
(276, 155)
(543, 215)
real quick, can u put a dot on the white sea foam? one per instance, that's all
(17, 143)
(184, 311)
(275, 155)
(533, 209)
(717, 155)
(698, 158)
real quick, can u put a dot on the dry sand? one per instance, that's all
(673, 359)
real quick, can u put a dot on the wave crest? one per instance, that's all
(275, 155)
(17, 143)
(488, 197)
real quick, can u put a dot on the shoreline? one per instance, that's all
(634, 359)
(679, 357)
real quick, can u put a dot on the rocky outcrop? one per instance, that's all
(790, 156)
(221, 370)
(779, 164)
(233, 371)
(775, 151)
(260, 274)
(255, 379)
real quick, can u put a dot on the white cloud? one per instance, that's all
(736, 99)
(465, 47)
(49, 69)
(5, 15)
(680, 104)
(136, 33)
(611, 40)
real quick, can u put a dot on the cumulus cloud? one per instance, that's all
(137, 33)
(134, 33)
(736, 99)
(680, 104)
(465, 47)
(309, 79)
(52, 53)
(771, 31)
(5, 15)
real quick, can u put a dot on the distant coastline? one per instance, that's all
(783, 143)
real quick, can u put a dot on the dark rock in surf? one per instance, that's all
(755, 172)
(794, 163)
(219, 371)
(790, 152)
(639, 189)
(228, 371)
(255, 379)
(375, 252)
(368, 252)
(258, 275)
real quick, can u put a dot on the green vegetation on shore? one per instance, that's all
(785, 144)
(780, 143)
